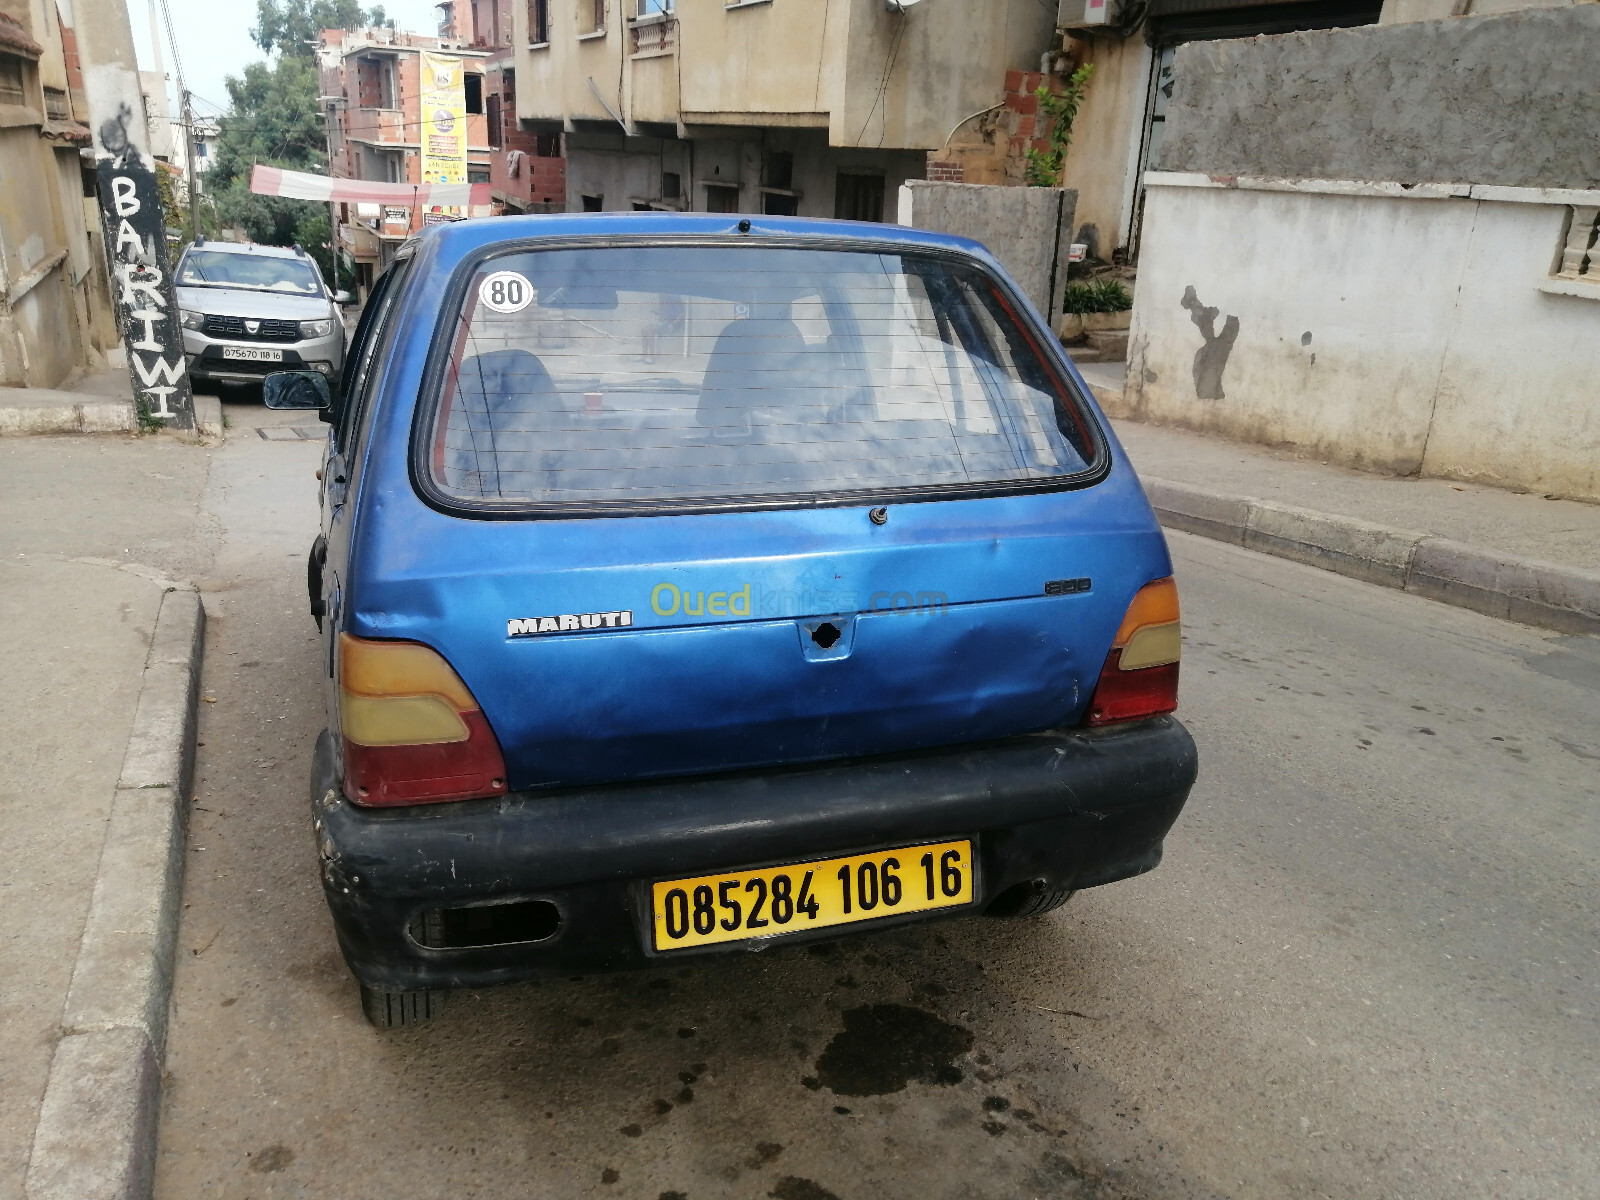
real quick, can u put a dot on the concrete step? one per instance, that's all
(44, 410)
(1112, 343)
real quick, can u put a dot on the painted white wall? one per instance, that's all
(1519, 392)
(1402, 332)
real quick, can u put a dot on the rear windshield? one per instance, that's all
(700, 374)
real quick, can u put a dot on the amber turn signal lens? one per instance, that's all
(1153, 604)
(413, 734)
(1140, 676)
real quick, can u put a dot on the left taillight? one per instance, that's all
(1140, 676)
(413, 734)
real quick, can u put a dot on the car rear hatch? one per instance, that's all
(766, 511)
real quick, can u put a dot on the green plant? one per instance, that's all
(148, 423)
(1096, 296)
(1043, 168)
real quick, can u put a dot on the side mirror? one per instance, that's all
(341, 297)
(296, 389)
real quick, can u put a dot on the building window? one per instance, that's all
(671, 185)
(1580, 255)
(473, 84)
(721, 198)
(538, 21)
(56, 105)
(375, 82)
(477, 174)
(858, 198)
(777, 170)
(547, 145)
(594, 203)
(591, 16)
(11, 80)
(652, 8)
(779, 204)
(388, 86)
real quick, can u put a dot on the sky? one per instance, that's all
(214, 42)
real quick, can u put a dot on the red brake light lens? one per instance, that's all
(413, 734)
(1140, 676)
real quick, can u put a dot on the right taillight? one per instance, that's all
(413, 734)
(1140, 678)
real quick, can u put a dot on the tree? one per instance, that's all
(292, 26)
(275, 119)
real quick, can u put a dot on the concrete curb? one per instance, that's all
(95, 1139)
(72, 412)
(79, 415)
(1514, 589)
(208, 415)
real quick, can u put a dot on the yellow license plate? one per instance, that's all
(741, 905)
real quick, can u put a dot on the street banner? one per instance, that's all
(299, 185)
(444, 127)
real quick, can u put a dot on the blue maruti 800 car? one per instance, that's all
(691, 583)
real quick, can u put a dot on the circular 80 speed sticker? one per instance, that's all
(505, 292)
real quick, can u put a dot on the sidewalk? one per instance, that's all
(99, 402)
(1510, 554)
(100, 534)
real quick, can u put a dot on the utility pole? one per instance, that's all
(130, 208)
(329, 107)
(333, 206)
(190, 166)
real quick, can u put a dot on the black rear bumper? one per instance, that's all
(1067, 809)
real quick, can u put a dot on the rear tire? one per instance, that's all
(1045, 902)
(392, 1010)
(1029, 900)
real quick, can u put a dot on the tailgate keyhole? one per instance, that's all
(826, 634)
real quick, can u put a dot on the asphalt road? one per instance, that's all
(1368, 967)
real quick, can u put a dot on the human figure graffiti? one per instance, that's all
(1212, 357)
(114, 140)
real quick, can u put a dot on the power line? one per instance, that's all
(190, 172)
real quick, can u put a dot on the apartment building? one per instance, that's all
(761, 106)
(373, 86)
(55, 304)
(526, 169)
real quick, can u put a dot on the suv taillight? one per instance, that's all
(413, 734)
(1140, 678)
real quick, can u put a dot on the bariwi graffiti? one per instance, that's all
(147, 306)
(1212, 357)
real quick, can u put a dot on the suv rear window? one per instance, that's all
(640, 375)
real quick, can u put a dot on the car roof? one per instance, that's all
(251, 248)
(456, 238)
